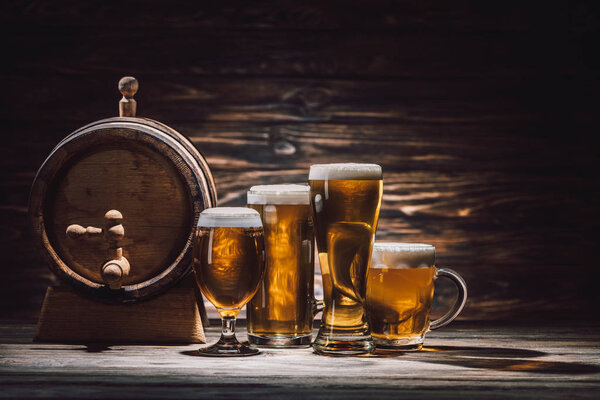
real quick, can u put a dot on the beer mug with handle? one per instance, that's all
(400, 293)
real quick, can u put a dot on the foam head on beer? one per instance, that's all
(229, 217)
(402, 255)
(344, 171)
(279, 194)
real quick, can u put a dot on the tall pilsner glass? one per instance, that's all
(281, 313)
(345, 200)
(229, 263)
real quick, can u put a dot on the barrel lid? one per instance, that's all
(114, 207)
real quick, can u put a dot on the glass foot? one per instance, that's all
(343, 346)
(399, 345)
(279, 341)
(227, 350)
(228, 345)
(397, 349)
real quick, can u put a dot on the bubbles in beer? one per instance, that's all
(403, 255)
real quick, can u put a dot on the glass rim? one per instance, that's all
(345, 171)
(280, 194)
(402, 246)
(229, 217)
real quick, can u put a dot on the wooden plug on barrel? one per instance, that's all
(117, 267)
(128, 86)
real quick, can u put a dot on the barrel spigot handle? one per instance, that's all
(117, 267)
(128, 86)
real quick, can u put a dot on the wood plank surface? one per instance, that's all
(509, 101)
(483, 115)
(462, 361)
(171, 318)
(311, 15)
(358, 54)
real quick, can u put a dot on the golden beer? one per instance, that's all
(345, 200)
(229, 265)
(399, 301)
(400, 290)
(281, 312)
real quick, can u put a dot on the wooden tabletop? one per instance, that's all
(465, 360)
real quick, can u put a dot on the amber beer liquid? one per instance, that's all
(228, 263)
(400, 293)
(399, 301)
(345, 199)
(281, 312)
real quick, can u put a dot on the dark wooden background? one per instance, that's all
(484, 116)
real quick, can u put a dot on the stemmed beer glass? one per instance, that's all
(229, 263)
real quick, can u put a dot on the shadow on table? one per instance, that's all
(501, 359)
(461, 351)
(88, 348)
(474, 351)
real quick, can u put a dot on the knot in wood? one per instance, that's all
(309, 98)
(284, 148)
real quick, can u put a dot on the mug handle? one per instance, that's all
(307, 248)
(317, 306)
(461, 286)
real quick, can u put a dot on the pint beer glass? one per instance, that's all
(400, 293)
(281, 313)
(228, 263)
(345, 200)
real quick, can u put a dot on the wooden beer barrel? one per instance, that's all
(114, 206)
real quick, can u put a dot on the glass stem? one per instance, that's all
(228, 329)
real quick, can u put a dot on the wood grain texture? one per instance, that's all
(381, 38)
(507, 101)
(66, 317)
(312, 15)
(149, 172)
(462, 361)
(484, 117)
(135, 181)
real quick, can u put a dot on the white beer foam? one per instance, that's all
(402, 255)
(229, 217)
(349, 171)
(279, 194)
